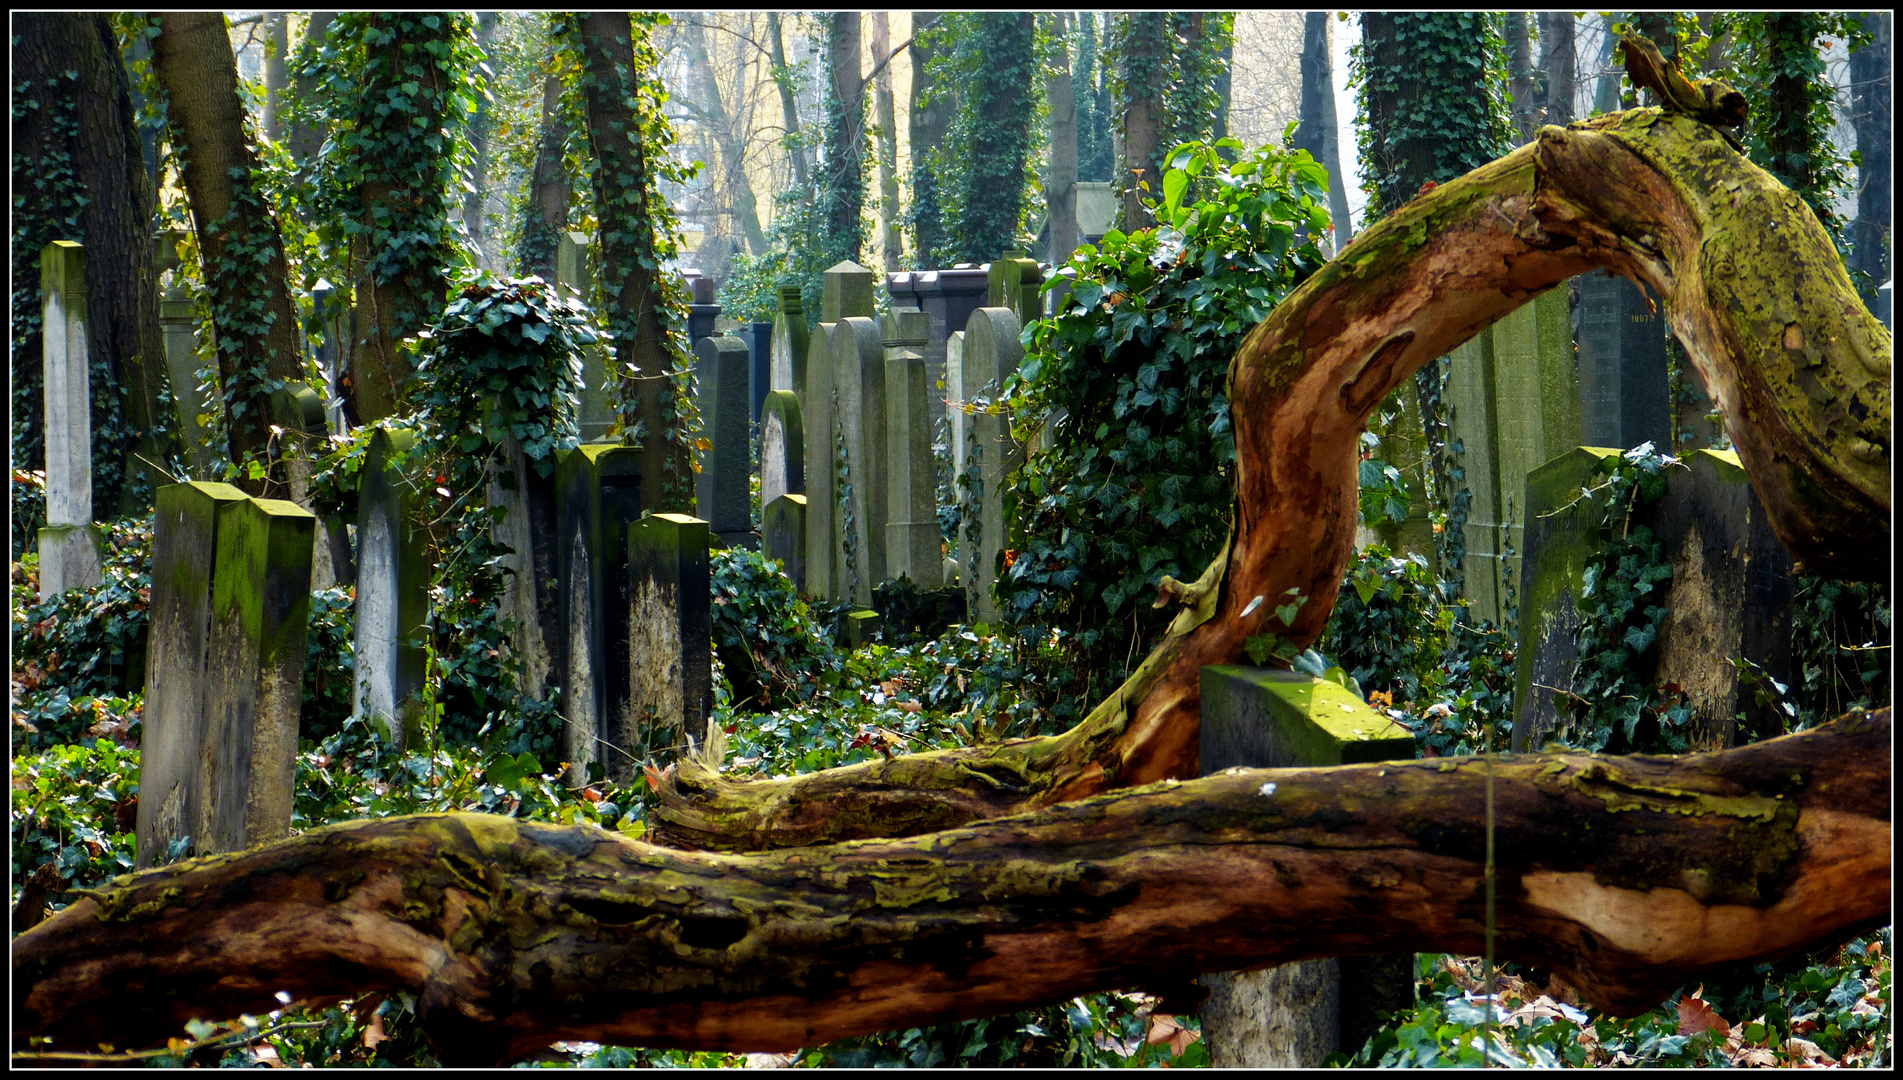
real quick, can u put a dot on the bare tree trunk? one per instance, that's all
(1559, 61)
(1520, 75)
(1871, 107)
(888, 134)
(843, 193)
(930, 118)
(115, 223)
(1623, 876)
(277, 73)
(550, 188)
(194, 63)
(1319, 130)
(789, 106)
(1060, 191)
(1653, 197)
(305, 141)
(1146, 73)
(730, 140)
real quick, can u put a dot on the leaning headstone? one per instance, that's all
(1295, 1015)
(721, 491)
(790, 334)
(1512, 404)
(392, 593)
(846, 293)
(670, 684)
(1624, 388)
(598, 500)
(858, 354)
(782, 447)
(818, 402)
(230, 606)
(702, 313)
(525, 501)
(759, 339)
(912, 539)
(783, 534)
(70, 543)
(991, 351)
(575, 278)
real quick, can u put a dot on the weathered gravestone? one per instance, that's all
(846, 293)
(858, 355)
(1512, 403)
(598, 501)
(912, 538)
(525, 501)
(392, 607)
(759, 339)
(702, 312)
(1729, 596)
(790, 336)
(1295, 1015)
(782, 447)
(183, 360)
(1013, 282)
(670, 686)
(575, 278)
(721, 493)
(1624, 388)
(818, 406)
(783, 533)
(70, 543)
(300, 412)
(947, 297)
(957, 422)
(988, 454)
(229, 609)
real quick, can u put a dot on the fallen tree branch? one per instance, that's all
(1625, 876)
(1753, 288)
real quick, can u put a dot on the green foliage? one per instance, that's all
(1389, 627)
(1191, 105)
(72, 805)
(1840, 634)
(1133, 372)
(770, 645)
(1095, 1031)
(993, 127)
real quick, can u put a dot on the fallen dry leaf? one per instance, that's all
(1696, 1016)
(373, 1034)
(1165, 1029)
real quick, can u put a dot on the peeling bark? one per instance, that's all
(1754, 290)
(1625, 876)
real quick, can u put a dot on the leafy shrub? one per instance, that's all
(1131, 378)
(74, 806)
(770, 644)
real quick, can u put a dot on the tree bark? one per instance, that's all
(929, 119)
(789, 106)
(116, 224)
(545, 215)
(1145, 72)
(238, 240)
(890, 242)
(1755, 292)
(1624, 876)
(844, 189)
(305, 140)
(1520, 75)
(277, 72)
(1870, 110)
(1318, 133)
(1060, 191)
(1559, 62)
(1002, 100)
(475, 202)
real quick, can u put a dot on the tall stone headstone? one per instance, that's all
(721, 491)
(846, 293)
(783, 533)
(782, 447)
(526, 499)
(575, 279)
(1295, 1015)
(1624, 388)
(598, 501)
(392, 593)
(183, 360)
(912, 538)
(818, 405)
(858, 354)
(759, 338)
(1013, 281)
(1512, 404)
(947, 297)
(70, 544)
(670, 685)
(790, 335)
(229, 610)
(991, 351)
(957, 421)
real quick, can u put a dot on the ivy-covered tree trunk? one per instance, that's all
(545, 212)
(305, 139)
(928, 118)
(1623, 876)
(79, 174)
(789, 106)
(488, 25)
(1060, 190)
(1754, 289)
(400, 243)
(239, 244)
(1001, 100)
(843, 187)
(1871, 86)
(1146, 54)
(1093, 121)
(632, 242)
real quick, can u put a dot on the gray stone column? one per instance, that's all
(759, 339)
(70, 545)
(1624, 392)
(527, 527)
(991, 351)
(182, 363)
(1295, 1015)
(598, 501)
(912, 546)
(721, 496)
(392, 593)
(790, 335)
(858, 355)
(670, 684)
(224, 671)
(818, 404)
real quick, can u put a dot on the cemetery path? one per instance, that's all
(1753, 288)
(1625, 876)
